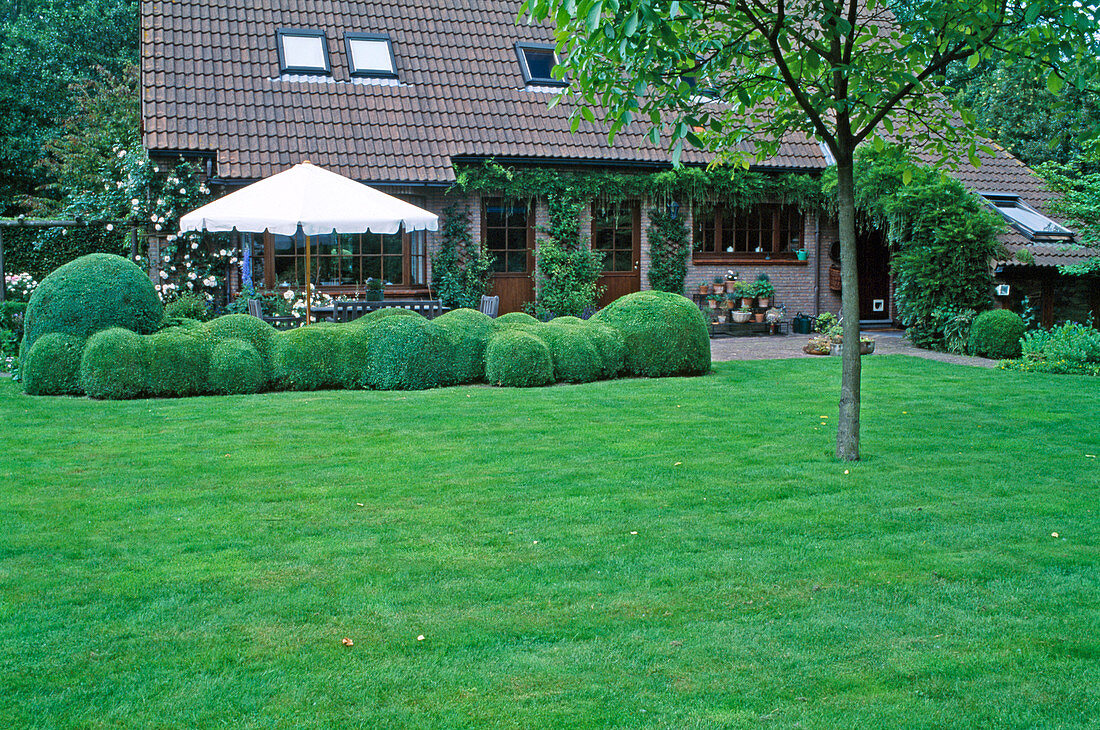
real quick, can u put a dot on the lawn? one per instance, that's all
(636, 553)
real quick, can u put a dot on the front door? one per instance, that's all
(873, 259)
(616, 233)
(508, 235)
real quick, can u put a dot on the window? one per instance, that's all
(303, 52)
(505, 235)
(763, 231)
(536, 62)
(613, 233)
(341, 259)
(370, 55)
(1025, 219)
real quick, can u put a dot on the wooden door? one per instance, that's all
(873, 262)
(617, 234)
(508, 235)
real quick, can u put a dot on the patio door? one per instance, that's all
(873, 262)
(508, 235)
(617, 234)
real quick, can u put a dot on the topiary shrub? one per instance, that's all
(405, 353)
(114, 365)
(307, 358)
(574, 353)
(664, 334)
(52, 367)
(466, 333)
(254, 331)
(514, 318)
(188, 305)
(93, 293)
(384, 313)
(179, 362)
(996, 334)
(236, 368)
(607, 341)
(518, 359)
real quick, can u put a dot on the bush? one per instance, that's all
(52, 367)
(513, 318)
(188, 305)
(669, 246)
(254, 331)
(466, 333)
(573, 351)
(462, 270)
(518, 359)
(997, 334)
(93, 293)
(405, 353)
(307, 358)
(179, 362)
(11, 316)
(236, 368)
(1069, 342)
(384, 313)
(665, 334)
(114, 365)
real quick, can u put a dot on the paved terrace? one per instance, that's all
(776, 347)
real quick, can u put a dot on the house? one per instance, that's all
(398, 93)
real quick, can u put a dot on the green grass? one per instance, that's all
(196, 563)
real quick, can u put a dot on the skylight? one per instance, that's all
(303, 52)
(370, 54)
(1026, 219)
(536, 61)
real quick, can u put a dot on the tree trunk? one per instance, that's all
(847, 433)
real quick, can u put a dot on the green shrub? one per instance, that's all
(518, 359)
(179, 362)
(353, 354)
(188, 305)
(568, 279)
(384, 313)
(611, 346)
(114, 365)
(669, 246)
(513, 318)
(307, 358)
(467, 333)
(53, 366)
(996, 334)
(11, 316)
(664, 334)
(462, 270)
(573, 351)
(1068, 342)
(236, 368)
(405, 353)
(93, 293)
(254, 331)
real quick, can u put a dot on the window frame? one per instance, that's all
(369, 74)
(529, 237)
(719, 211)
(281, 33)
(528, 78)
(634, 211)
(1011, 201)
(414, 264)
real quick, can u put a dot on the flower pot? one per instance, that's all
(746, 301)
(740, 317)
(713, 304)
(704, 289)
(730, 286)
(765, 302)
(758, 317)
(719, 288)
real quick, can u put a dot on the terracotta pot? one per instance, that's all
(713, 304)
(719, 288)
(730, 286)
(758, 317)
(746, 301)
(704, 289)
(765, 302)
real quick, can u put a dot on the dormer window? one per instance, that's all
(303, 52)
(1025, 219)
(371, 55)
(536, 61)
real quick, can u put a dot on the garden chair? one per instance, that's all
(255, 308)
(489, 305)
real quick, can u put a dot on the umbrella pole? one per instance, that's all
(309, 286)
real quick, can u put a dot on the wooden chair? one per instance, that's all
(489, 305)
(255, 308)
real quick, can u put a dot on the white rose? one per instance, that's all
(110, 226)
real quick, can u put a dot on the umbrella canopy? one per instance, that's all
(311, 197)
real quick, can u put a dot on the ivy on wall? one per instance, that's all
(669, 248)
(460, 270)
(567, 268)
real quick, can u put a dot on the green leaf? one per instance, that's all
(907, 176)
(1055, 82)
(592, 20)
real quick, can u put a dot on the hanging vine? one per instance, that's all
(669, 248)
(460, 270)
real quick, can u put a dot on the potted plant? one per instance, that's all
(704, 289)
(374, 290)
(819, 345)
(719, 285)
(731, 281)
(764, 290)
(713, 300)
(744, 291)
(774, 315)
(741, 316)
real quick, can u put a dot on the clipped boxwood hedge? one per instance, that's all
(114, 365)
(518, 359)
(252, 330)
(515, 318)
(997, 334)
(236, 368)
(307, 358)
(466, 335)
(664, 334)
(573, 351)
(178, 363)
(405, 353)
(93, 293)
(52, 367)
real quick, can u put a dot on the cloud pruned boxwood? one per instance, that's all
(52, 367)
(252, 330)
(664, 334)
(178, 362)
(90, 294)
(236, 368)
(518, 359)
(114, 365)
(405, 353)
(467, 333)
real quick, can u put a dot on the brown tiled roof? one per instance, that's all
(211, 82)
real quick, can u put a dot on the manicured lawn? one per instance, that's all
(665, 553)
